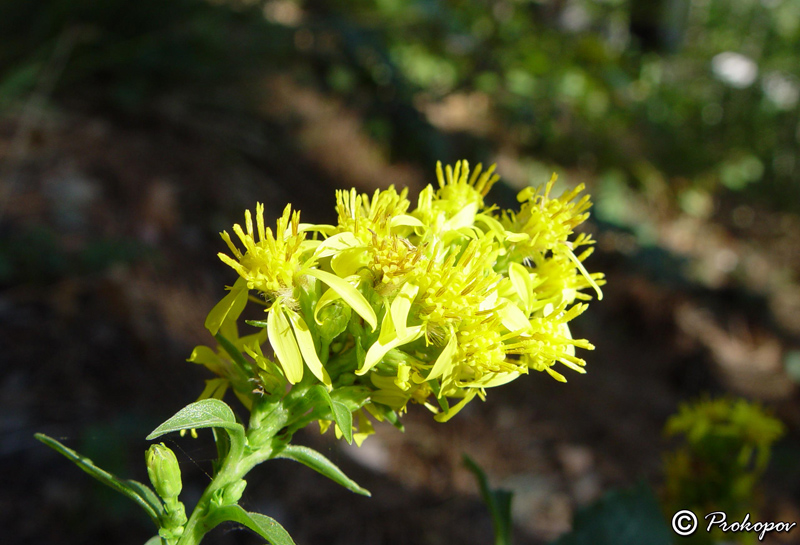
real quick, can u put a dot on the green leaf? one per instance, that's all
(318, 462)
(621, 517)
(230, 307)
(266, 527)
(341, 414)
(155, 540)
(497, 500)
(138, 492)
(350, 294)
(206, 413)
(353, 397)
(233, 352)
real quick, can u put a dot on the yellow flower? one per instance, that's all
(277, 265)
(271, 263)
(547, 224)
(468, 298)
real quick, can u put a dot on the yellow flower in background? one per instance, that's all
(431, 306)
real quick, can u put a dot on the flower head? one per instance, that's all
(270, 262)
(393, 306)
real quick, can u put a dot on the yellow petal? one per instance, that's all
(513, 318)
(337, 243)
(284, 344)
(326, 299)
(405, 221)
(387, 340)
(464, 218)
(490, 380)
(444, 362)
(522, 283)
(229, 308)
(306, 343)
(350, 294)
(205, 356)
(444, 417)
(401, 306)
(349, 262)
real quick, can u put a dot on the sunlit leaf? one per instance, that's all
(138, 492)
(206, 413)
(321, 464)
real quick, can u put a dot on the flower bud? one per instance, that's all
(334, 319)
(233, 492)
(164, 471)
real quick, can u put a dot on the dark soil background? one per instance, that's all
(110, 209)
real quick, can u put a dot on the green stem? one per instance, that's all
(262, 444)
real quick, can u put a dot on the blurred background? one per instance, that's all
(131, 133)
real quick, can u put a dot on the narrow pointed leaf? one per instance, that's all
(497, 500)
(138, 492)
(266, 527)
(320, 464)
(350, 294)
(206, 413)
(341, 414)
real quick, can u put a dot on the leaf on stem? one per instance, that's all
(138, 492)
(497, 500)
(206, 413)
(266, 527)
(318, 462)
(341, 414)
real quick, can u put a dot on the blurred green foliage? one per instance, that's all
(126, 54)
(726, 445)
(674, 96)
(36, 255)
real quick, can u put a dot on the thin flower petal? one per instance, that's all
(229, 308)
(401, 306)
(350, 294)
(284, 343)
(444, 362)
(306, 343)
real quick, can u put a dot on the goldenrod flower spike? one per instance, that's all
(431, 305)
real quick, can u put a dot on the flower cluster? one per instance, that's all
(724, 448)
(431, 305)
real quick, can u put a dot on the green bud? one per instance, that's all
(334, 318)
(233, 492)
(230, 494)
(164, 471)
